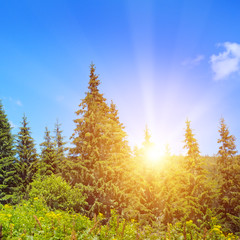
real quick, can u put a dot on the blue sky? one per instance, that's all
(161, 62)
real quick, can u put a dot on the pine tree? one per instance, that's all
(49, 162)
(193, 153)
(61, 149)
(229, 170)
(140, 154)
(99, 152)
(196, 194)
(227, 150)
(143, 152)
(123, 174)
(147, 136)
(148, 179)
(8, 179)
(27, 157)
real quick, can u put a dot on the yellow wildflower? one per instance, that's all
(6, 206)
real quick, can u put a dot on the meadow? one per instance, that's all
(34, 220)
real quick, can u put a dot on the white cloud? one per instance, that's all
(19, 103)
(226, 62)
(13, 125)
(193, 61)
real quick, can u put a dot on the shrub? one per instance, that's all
(57, 193)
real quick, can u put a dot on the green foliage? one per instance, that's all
(189, 191)
(147, 136)
(27, 157)
(61, 149)
(49, 162)
(229, 181)
(100, 153)
(148, 182)
(227, 148)
(57, 193)
(193, 163)
(8, 178)
(34, 220)
(181, 197)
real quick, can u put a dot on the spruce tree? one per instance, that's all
(99, 152)
(193, 154)
(227, 149)
(150, 197)
(123, 168)
(195, 191)
(61, 149)
(27, 157)
(147, 136)
(149, 183)
(140, 154)
(8, 178)
(49, 163)
(229, 171)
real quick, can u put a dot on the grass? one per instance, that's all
(34, 220)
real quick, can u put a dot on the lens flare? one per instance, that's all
(154, 155)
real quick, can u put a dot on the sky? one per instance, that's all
(161, 62)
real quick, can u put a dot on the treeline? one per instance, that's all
(99, 172)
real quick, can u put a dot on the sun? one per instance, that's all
(153, 155)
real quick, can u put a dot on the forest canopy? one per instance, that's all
(99, 174)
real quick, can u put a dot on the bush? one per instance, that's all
(34, 220)
(57, 193)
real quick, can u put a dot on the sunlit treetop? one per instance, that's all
(227, 141)
(151, 152)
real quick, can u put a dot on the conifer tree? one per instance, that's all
(123, 175)
(147, 136)
(140, 154)
(193, 153)
(229, 170)
(99, 149)
(8, 179)
(148, 181)
(195, 190)
(227, 149)
(27, 157)
(49, 162)
(60, 149)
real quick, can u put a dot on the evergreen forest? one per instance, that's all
(95, 186)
